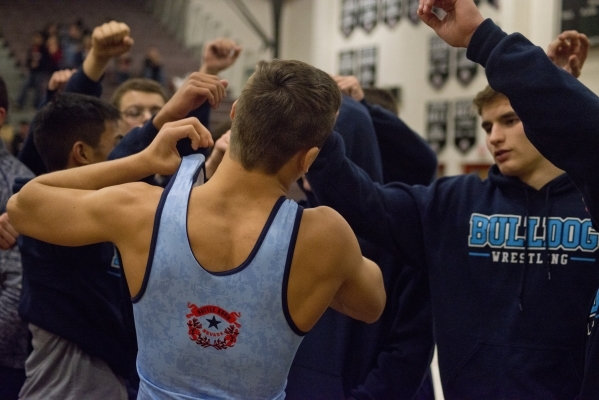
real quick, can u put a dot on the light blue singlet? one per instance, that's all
(207, 335)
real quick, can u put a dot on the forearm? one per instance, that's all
(70, 200)
(94, 66)
(95, 176)
(407, 348)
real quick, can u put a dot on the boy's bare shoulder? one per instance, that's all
(325, 228)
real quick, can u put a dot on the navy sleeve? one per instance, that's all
(139, 138)
(407, 349)
(202, 113)
(406, 157)
(79, 83)
(135, 141)
(388, 215)
(560, 114)
(29, 155)
(356, 128)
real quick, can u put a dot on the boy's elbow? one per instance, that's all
(377, 308)
(12, 209)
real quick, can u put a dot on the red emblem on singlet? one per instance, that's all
(211, 326)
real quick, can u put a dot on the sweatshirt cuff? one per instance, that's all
(333, 148)
(485, 38)
(81, 83)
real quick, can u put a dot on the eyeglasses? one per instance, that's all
(137, 112)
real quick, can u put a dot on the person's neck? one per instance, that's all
(542, 176)
(232, 179)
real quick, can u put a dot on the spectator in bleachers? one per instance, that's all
(37, 64)
(122, 70)
(71, 46)
(152, 68)
(54, 53)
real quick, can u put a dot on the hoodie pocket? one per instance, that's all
(510, 371)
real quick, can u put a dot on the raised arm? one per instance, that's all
(388, 215)
(197, 90)
(560, 114)
(405, 156)
(88, 195)
(108, 40)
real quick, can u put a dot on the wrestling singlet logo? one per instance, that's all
(211, 326)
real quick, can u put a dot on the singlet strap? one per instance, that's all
(174, 197)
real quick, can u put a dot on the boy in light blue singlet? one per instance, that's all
(224, 292)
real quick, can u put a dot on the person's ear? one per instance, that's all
(81, 153)
(309, 158)
(232, 114)
(2, 115)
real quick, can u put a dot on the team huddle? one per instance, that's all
(176, 266)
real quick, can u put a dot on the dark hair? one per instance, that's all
(3, 95)
(381, 97)
(285, 107)
(69, 118)
(485, 97)
(140, 85)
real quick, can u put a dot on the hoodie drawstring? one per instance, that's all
(547, 260)
(525, 269)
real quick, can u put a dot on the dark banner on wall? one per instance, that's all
(466, 70)
(583, 16)
(361, 63)
(391, 12)
(367, 69)
(349, 16)
(413, 11)
(439, 62)
(347, 63)
(368, 14)
(436, 125)
(465, 126)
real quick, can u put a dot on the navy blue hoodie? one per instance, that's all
(509, 308)
(561, 118)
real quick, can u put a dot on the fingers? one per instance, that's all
(111, 33)
(209, 86)
(350, 86)
(224, 48)
(112, 36)
(60, 78)
(8, 235)
(426, 15)
(218, 55)
(189, 128)
(574, 66)
(568, 35)
(583, 50)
